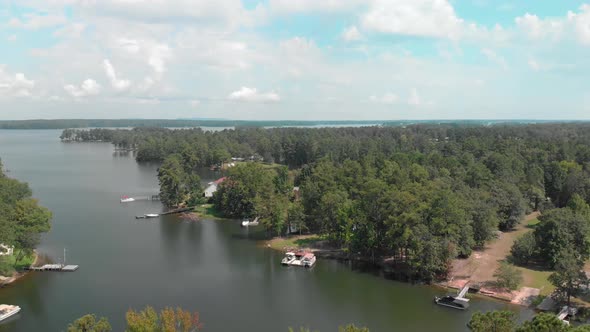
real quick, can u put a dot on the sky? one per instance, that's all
(295, 59)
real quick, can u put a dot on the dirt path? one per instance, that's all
(482, 264)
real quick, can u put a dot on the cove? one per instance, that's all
(214, 267)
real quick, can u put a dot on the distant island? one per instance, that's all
(190, 123)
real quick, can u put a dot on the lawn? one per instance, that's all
(298, 241)
(537, 279)
(7, 266)
(208, 211)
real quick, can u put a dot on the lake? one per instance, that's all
(214, 267)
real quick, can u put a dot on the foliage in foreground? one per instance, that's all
(505, 321)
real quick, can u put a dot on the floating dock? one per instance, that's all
(55, 267)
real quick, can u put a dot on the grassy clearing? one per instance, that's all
(208, 211)
(297, 241)
(8, 267)
(537, 279)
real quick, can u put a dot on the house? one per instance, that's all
(212, 187)
(6, 250)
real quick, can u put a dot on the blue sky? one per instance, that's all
(295, 59)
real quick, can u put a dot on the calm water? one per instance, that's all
(214, 267)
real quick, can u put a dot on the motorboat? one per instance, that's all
(7, 311)
(456, 302)
(152, 215)
(308, 260)
(127, 199)
(288, 259)
(300, 258)
(247, 222)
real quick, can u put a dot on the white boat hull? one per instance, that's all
(9, 313)
(127, 200)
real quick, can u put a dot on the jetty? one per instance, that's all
(155, 215)
(55, 267)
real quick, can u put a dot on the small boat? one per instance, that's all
(247, 222)
(457, 302)
(127, 199)
(7, 311)
(288, 259)
(152, 215)
(308, 260)
(300, 258)
(460, 303)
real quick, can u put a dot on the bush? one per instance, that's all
(508, 276)
(524, 249)
(6, 266)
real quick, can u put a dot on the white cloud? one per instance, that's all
(73, 30)
(252, 94)
(194, 103)
(118, 84)
(88, 88)
(414, 99)
(34, 21)
(535, 28)
(388, 98)
(494, 57)
(11, 38)
(351, 34)
(15, 85)
(426, 18)
(304, 6)
(581, 23)
(534, 65)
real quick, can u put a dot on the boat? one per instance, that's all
(127, 199)
(300, 258)
(247, 222)
(457, 302)
(289, 257)
(7, 311)
(152, 215)
(308, 260)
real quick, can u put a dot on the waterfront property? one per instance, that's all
(212, 187)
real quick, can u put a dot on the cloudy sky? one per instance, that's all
(295, 59)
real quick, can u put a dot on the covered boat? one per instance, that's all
(457, 302)
(127, 199)
(7, 311)
(247, 222)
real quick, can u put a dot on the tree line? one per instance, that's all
(505, 321)
(22, 222)
(420, 194)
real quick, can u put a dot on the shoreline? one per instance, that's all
(19, 275)
(338, 254)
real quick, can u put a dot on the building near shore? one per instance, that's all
(6, 250)
(212, 187)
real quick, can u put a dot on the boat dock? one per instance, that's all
(54, 267)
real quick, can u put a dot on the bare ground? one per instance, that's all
(479, 268)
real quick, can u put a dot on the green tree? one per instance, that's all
(508, 276)
(88, 323)
(524, 248)
(493, 321)
(171, 175)
(352, 328)
(569, 277)
(543, 322)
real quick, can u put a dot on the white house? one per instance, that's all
(6, 250)
(212, 187)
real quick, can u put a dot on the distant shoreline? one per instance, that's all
(222, 123)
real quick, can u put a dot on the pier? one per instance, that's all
(54, 267)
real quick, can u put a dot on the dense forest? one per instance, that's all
(21, 223)
(420, 194)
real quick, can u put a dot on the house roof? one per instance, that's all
(218, 181)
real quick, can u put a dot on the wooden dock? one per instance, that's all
(54, 267)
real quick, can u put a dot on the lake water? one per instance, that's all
(214, 267)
